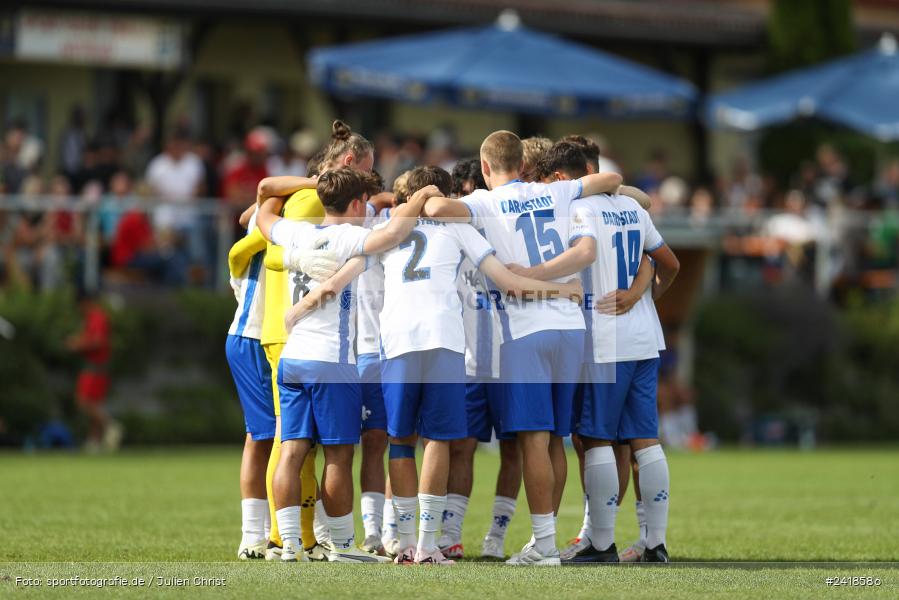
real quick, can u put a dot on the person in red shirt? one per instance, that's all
(133, 237)
(243, 178)
(92, 342)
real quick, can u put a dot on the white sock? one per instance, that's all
(641, 520)
(654, 489)
(544, 527)
(586, 525)
(289, 526)
(342, 532)
(268, 524)
(601, 481)
(430, 510)
(453, 515)
(406, 509)
(253, 512)
(372, 504)
(503, 510)
(320, 524)
(388, 529)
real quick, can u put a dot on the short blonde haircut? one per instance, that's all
(533, 149)
(401, 187)
(502, 150)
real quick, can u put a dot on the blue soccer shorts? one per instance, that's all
(540, 374)
(320, 401)
(483, 402)
(424, 393)
(253, 378)
(620, 400)
(374, 415)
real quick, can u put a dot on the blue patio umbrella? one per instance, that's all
(503, 66)
(860, 91)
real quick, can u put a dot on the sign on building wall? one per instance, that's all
(98, 39)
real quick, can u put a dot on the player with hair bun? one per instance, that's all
(345, 148)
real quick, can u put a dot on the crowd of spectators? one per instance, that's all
(156, 221)
(780, 228)
(159, 214)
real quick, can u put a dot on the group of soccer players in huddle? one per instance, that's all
(513, 297)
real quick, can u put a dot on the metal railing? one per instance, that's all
(835, 232)
(205, 218)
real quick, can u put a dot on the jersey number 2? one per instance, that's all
(628, 258)
(419, 243)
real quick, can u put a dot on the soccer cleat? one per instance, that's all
(272, 551)
(318, 552)
(493, 548)
(433, 558)
(450, 548)
(659, 554)
(526, 547)
(291, 553)
(574, 546)
(406, 557)
(391, 547)
(529, 556)
(251, 551)
(592, 555)
(354, 555)
(373, 545)
(633, 553)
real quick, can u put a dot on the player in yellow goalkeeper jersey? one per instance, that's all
(345, 148)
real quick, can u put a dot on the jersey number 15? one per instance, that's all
(542, 243)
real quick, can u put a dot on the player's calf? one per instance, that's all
(654, 489)
(372, 482)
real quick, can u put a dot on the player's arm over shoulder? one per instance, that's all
(402, 220)
(598, 183)
(528, 288)
(327, 291)
(304, 206)
(458, 210)
(283, 185)
(667, 265)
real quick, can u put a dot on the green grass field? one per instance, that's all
(176, 513)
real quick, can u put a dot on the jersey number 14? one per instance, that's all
(628, 256)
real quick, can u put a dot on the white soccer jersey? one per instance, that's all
(327, 333)
(370, 295)
(251, 296)
(528, 224)
(482, 331)
(422, 309)
(623, 232)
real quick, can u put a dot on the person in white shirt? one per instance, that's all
(483, 396)
(423, 364)
(372, 478)
(608, 239)
(176, 177)
(252, 377)
(318, 382)
(571, 157)
(543, 341)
